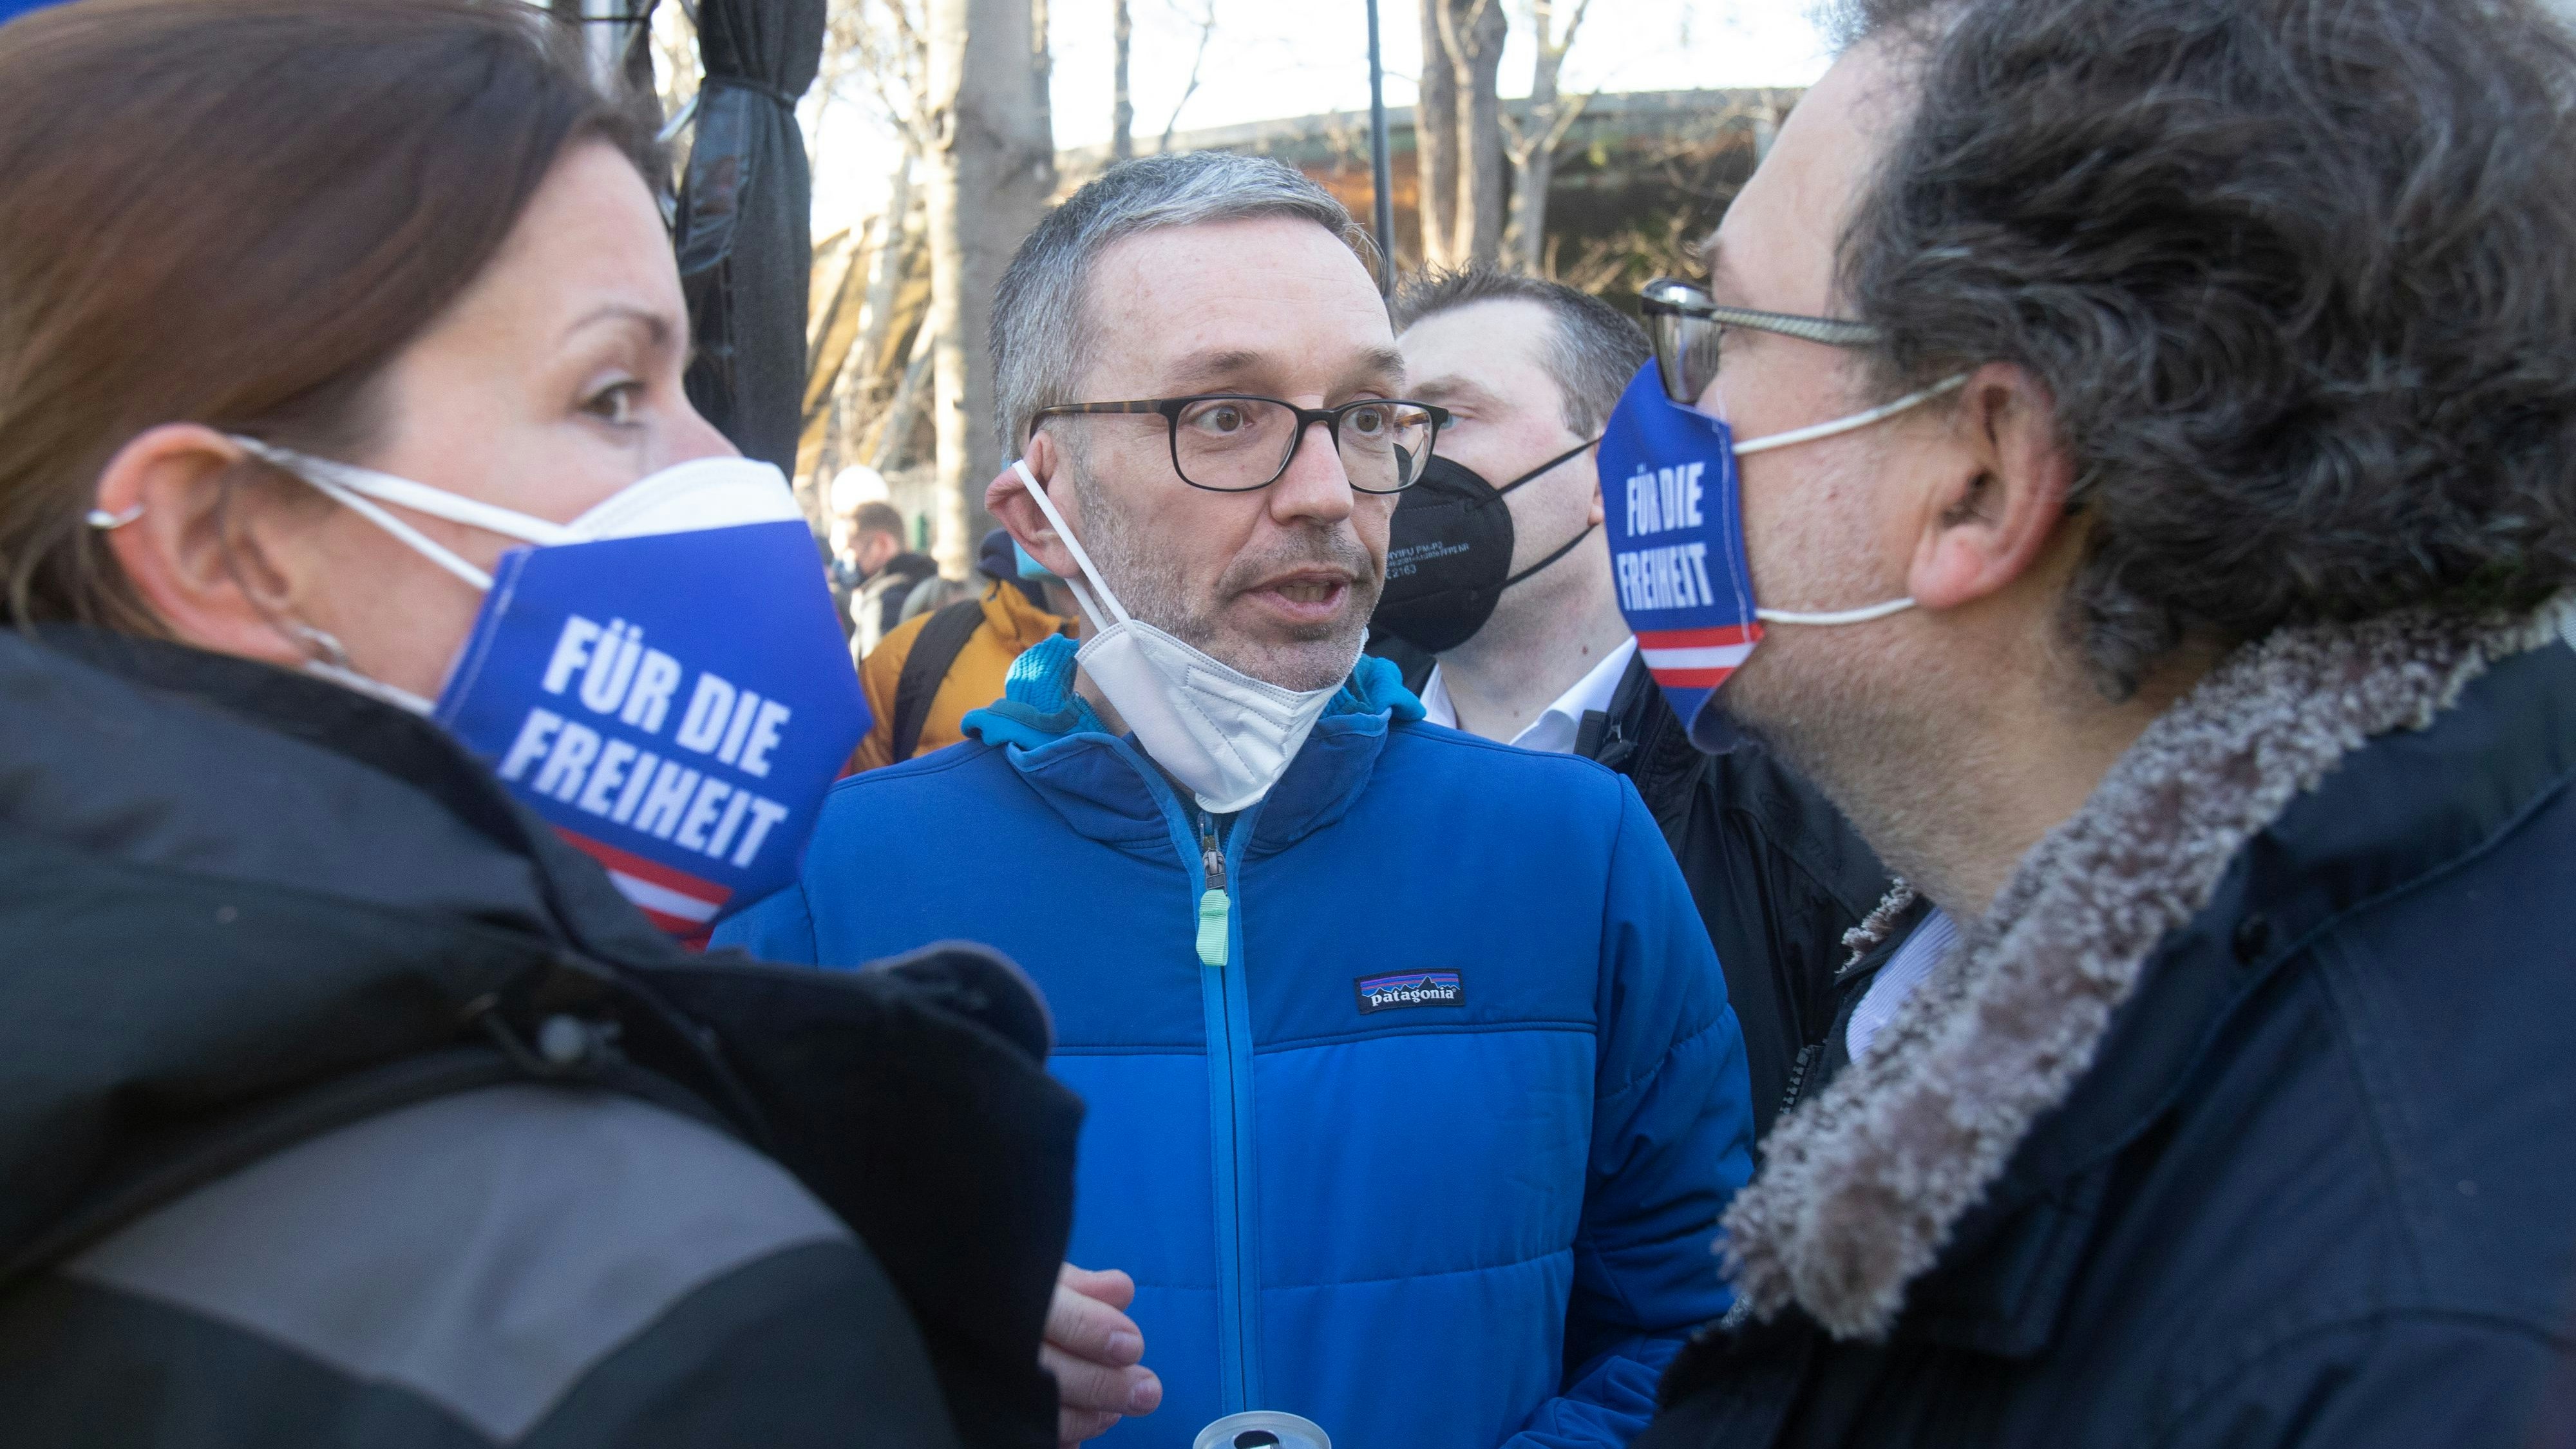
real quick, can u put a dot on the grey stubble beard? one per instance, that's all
(1153, 587)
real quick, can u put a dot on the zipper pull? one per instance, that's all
(1810, 1057)
(1214, 906)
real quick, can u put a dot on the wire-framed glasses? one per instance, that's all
(1686, 325)
(1232, 442)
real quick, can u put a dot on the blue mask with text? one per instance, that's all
(661, 679)
(1672, 489)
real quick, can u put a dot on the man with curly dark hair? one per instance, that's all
(2156, 422)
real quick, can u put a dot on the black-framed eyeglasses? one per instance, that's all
(1234, 442)
(1686, 325)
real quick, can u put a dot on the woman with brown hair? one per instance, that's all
(340, 1101)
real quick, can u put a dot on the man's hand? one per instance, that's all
(1095, 1352)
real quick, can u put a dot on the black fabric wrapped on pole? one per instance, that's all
(744, 229)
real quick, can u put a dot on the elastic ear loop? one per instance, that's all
(1081, 595)
(1551, 558)
(1847, 616)
(1853, 423)
(355, 488)
(1569, 544)
(1546, 466)
(337, 667)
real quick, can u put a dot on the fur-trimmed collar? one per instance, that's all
(1861, 1186)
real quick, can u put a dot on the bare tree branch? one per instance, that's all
(1206, 21)
(894, 429)
(1533, 148)
(1122, 114)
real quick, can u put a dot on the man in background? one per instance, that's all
(1506, 576)
(870, 559)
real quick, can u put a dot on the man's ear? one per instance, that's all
(199, 564)
(1007, 499)
(1987, 523)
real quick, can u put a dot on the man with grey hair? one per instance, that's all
(1414, 1090)
(1496, 565)
(2128, 447)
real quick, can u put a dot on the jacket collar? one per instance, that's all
(262, 880)
(1017, 622)
(1106, 788)
(205, 733)
(244, 906)
(1966, 1134)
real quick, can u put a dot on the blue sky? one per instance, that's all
(1268, 60)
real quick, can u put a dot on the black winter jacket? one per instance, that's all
(2246, 1118)
(1780, 877)
(341, 1104)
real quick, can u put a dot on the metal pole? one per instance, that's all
(609, 28)
(1381, 184)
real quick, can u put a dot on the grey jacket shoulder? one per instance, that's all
(517, 1265)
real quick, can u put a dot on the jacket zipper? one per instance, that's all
(1223, 996)
(1808, 1057)
(1215, 908)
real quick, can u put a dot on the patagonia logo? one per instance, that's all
(1410, 988)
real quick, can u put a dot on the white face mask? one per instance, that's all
(1221, 732)
(703, 493)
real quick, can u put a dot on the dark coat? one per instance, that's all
(346, 1105)
(1780, 877)
(2247, 1117)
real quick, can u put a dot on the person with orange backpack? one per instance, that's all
(934, 667)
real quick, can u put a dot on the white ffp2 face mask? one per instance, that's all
(703, 493)
(1221, 732)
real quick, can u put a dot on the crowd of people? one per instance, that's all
(1939, 837)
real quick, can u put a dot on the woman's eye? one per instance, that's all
(615, 404)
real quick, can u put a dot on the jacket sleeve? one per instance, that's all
(808, 1347)
(1672, 1140)
(2386, 1383)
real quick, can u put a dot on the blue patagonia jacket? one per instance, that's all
(1414, 1094)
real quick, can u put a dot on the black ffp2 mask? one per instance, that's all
(1449, 554)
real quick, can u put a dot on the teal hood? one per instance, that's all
(1039, 706)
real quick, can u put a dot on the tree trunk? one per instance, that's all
(1528, 235)
(1478, 64)
(1543, 128)
(1122, 114)
(1435, 143)
(992, 169)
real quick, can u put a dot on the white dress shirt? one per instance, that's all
(1554, 730)
(1913, 962)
